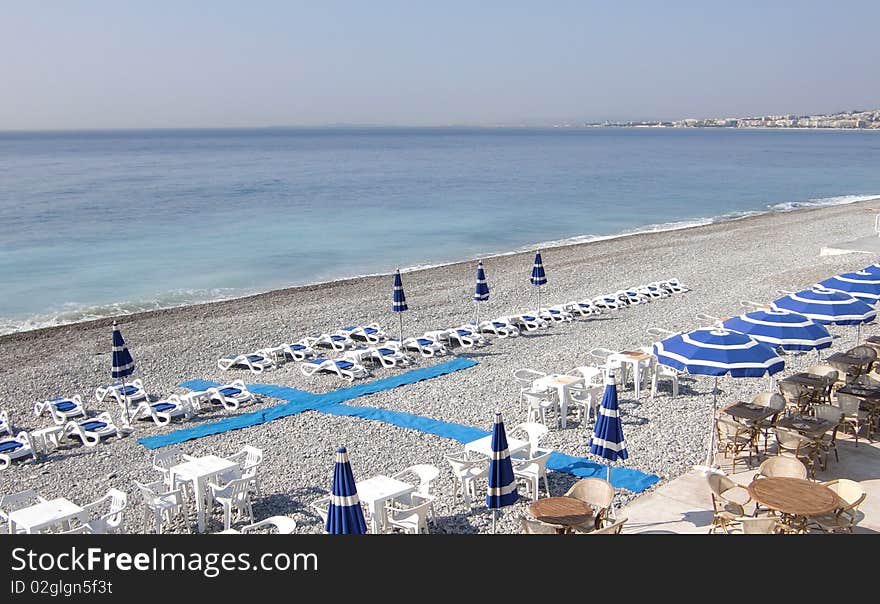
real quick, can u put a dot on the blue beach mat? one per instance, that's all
(331, 404)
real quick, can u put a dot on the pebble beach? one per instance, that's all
(722, 263)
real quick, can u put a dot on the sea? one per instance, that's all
(102, 223)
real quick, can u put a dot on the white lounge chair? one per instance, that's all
(5, 426)
(256, 362)
(674, 286)
(133, 391)
(90, 431)
(346, 370)
(61, 409)
(632, 297)
(584, 308)
(299, 351)
(16, 447)
(556, 313)
(466, 337)
(387, 356)
(607, 302)
(231, 396)
(502, 329)
(335, 341)
(369, 334)
(163, 504)
(653, 291)
(163, 411)
(427, 347)
(526, 321)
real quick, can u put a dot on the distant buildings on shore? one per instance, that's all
(855, 119)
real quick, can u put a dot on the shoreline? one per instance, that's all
(550, 245)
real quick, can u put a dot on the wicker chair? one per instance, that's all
(828, 442)
(599, 494)
(853, 417)
(614, 528)
(843, 519)
(728, 501)
(782, 466)
(764, 427)
(797, 397)
(747, 525)
(798, 445)
(830, 374)
(532, 526)
(867, 353)
(734, 438)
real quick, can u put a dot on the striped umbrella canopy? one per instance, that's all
(398, 300)
(122, 363)
(607, 440)
(538, 277)
(481, 291)
(787, 330)
(872, 269)
(826, 306)
(862, 285)
(717, 351)
(344, 515)
(502, 483)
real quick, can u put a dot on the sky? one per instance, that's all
(171, 64)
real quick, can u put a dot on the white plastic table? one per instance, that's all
(375, 491)
(199, 471)
(483, 446)
(561, 383)
(46, 439)
(45, 514)
(637, 360)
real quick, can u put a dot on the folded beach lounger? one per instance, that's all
(466, 337)
(91, 430)
(370, 334)
(653, 291)
(502, 329)
(256, 362)
(526, 321)
(231, 396)
(163, 411)
(17, 447)
(427, 347)
(133, 391)
(336, 341)
(5, 426)
(584, 308)
(61, 409)
(346, 370)
(673, 286)
(631, 296)
(556, 314)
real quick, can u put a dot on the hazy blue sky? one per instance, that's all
(105, 64)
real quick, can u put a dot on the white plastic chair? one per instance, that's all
(410, 519)
(249, 460)
(162, 504)
(539, 404)
(16, 501)
(164, 459)
(110, 521)
(533, 470)
(281, 525)
(585, 400)
(467, 472)
(535, 432)
(320, 507)
(233, 496)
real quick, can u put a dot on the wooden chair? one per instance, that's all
(729, 501)
(843, 519)
(733, 438)
(598, 493)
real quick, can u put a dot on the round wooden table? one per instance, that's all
(564, 512)
(794, 497)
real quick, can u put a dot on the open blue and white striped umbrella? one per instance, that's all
(344, 514)
(122, 363)
(398, 300)
(538, 277)
(827, 306)
(787, 330)
(717, 351)
(607, 440)
(872, 269)
(502, 483)
(862, 285)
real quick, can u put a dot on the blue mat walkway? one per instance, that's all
(331, 403)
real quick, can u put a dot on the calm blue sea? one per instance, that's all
(101, 223)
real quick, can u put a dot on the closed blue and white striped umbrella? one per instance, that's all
(344, 514)
(122, 364)
(717, 351)
(827, 306)
(538, 277)
(787, 330)
(607, 440)
(398, 300)
(502, 483)
(481, 292)
(862, 285)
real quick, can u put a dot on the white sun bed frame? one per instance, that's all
(26, 449)
(348, 374)
(241, 361)
(365, 334)
(58, 416)
(90, 438)
(114, 390)
(147, 410)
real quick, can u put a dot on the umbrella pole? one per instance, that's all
(709, 456)
(494, 518)
(125, 403)
(400, 316)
